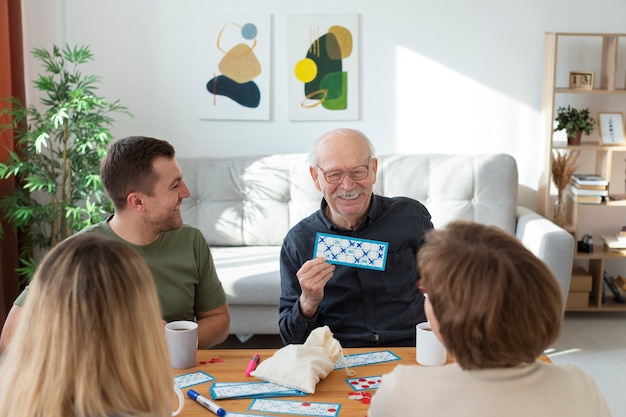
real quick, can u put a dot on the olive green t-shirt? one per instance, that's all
(182, 268)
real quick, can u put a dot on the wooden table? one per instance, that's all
(229, 365)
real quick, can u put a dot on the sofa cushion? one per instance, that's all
(481, 188)
(249, 274)
(242, 201)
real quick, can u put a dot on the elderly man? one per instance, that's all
(362, 306)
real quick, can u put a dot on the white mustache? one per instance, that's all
(348, 195)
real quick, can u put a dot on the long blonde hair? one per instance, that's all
(89, 341)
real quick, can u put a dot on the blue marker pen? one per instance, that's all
(206, 403)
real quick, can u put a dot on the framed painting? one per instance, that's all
(232, 80)
(323, 66)
(611, 126)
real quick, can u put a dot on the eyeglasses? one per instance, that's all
(335, 176)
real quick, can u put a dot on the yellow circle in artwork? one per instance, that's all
(306, 70)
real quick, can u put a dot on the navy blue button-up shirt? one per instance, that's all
(362, 307)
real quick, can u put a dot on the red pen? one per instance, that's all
(252, 364)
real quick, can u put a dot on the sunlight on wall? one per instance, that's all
(442, 111)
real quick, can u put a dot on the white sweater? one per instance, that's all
(535, 390)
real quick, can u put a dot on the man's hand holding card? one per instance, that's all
(313, 276)
(339, 250)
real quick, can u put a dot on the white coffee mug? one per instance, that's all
(181, 400)
(182, 342)
(429, 351)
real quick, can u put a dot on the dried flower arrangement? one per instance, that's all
(563, 166)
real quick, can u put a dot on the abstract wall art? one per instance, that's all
(233, 66)
(323, 66)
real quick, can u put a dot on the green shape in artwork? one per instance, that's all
(336, 83)
(318, 53)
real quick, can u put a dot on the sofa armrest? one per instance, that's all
(549, 242)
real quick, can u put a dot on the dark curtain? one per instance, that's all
(11, 84)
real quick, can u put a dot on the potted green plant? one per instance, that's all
(56, 162)
(575, 122)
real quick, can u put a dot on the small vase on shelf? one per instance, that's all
(559, 211)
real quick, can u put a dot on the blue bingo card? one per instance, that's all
(360, 253)
(367, 358)
(192, 378)
(303, 408)
(221, 390)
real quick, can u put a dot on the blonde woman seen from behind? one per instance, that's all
(496, 307)
(90, 342)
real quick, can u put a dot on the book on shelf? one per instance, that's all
(589, 179)
(611, 284)
(586, 199)
(587, 187)
(621, 235)
(620, 281)
(586, 191)
(611, 242)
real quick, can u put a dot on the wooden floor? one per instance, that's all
(595, 342)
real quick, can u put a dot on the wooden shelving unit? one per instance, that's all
(605, 87)
(595, 266)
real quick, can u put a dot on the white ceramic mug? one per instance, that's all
(182, 342)
(429, 351)
(181, 400)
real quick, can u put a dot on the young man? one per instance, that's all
(362, 307)
(145, 184)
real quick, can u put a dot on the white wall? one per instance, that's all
(443, 76)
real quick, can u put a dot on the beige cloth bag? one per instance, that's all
(302, 366)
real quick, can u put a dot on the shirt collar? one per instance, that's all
(372, 213)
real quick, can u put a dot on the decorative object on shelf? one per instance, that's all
(585, 244)
(56, 165)
(575, 122)
(581, 80)
(611, 126)
(563, 167)
(611, 284)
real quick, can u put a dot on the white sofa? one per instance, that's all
(244, 206)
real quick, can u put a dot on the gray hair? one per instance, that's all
(339, 131)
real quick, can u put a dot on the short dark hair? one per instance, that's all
(127, 166)
(497, 304)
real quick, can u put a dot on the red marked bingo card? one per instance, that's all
(234, 414)
(365, 382)
(303, 408)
